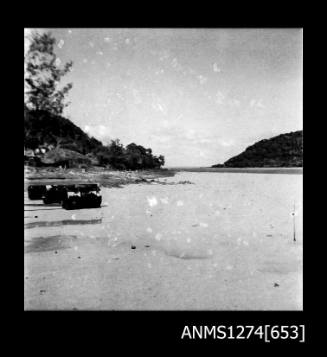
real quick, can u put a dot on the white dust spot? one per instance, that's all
(220, 98)
(158, 236)
(217, 213)
(245, 242)
(229, 267)
(100, 53)
(164, 200)
(107, 39)
(149, 230)
(73, 216)
(205, 225)
(210, 252)
(202, 79)
(180, 203)
(61, 43)
(115, 239)
(58, 61)
(188, 240)
(152, 201)
(112, 217)
(239, 240)
(215, 265)
(70, 32)
(216, 68)
(75, 248)
(127, 41)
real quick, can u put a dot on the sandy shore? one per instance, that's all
(224, 242)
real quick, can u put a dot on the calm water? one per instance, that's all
(256, 170)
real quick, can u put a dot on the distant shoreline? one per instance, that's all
(116, 178)
(255, 170)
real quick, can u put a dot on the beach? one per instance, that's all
(192, 241)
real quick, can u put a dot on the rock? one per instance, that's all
(276, 285)
(133, 247)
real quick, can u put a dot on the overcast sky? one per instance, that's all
(196, 96)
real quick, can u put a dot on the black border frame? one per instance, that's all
(166, 326)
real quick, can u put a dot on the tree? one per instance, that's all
(161, 159)
(43, 74)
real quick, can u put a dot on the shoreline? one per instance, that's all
(116, 178)
(107, 178)
(257, 170)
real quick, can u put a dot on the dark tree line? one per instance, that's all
(132, 157)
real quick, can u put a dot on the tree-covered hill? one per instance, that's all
(51, 131)
(285, 150)
(44, 129)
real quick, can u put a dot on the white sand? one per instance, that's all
(222, 243)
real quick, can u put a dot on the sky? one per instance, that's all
(196, 96)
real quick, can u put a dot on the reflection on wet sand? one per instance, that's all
(43, 244)
(62, 223)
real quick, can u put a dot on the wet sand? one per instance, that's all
(224, 242)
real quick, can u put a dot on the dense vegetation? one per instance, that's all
(285, 150)
(44, 129)
(43, 72)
